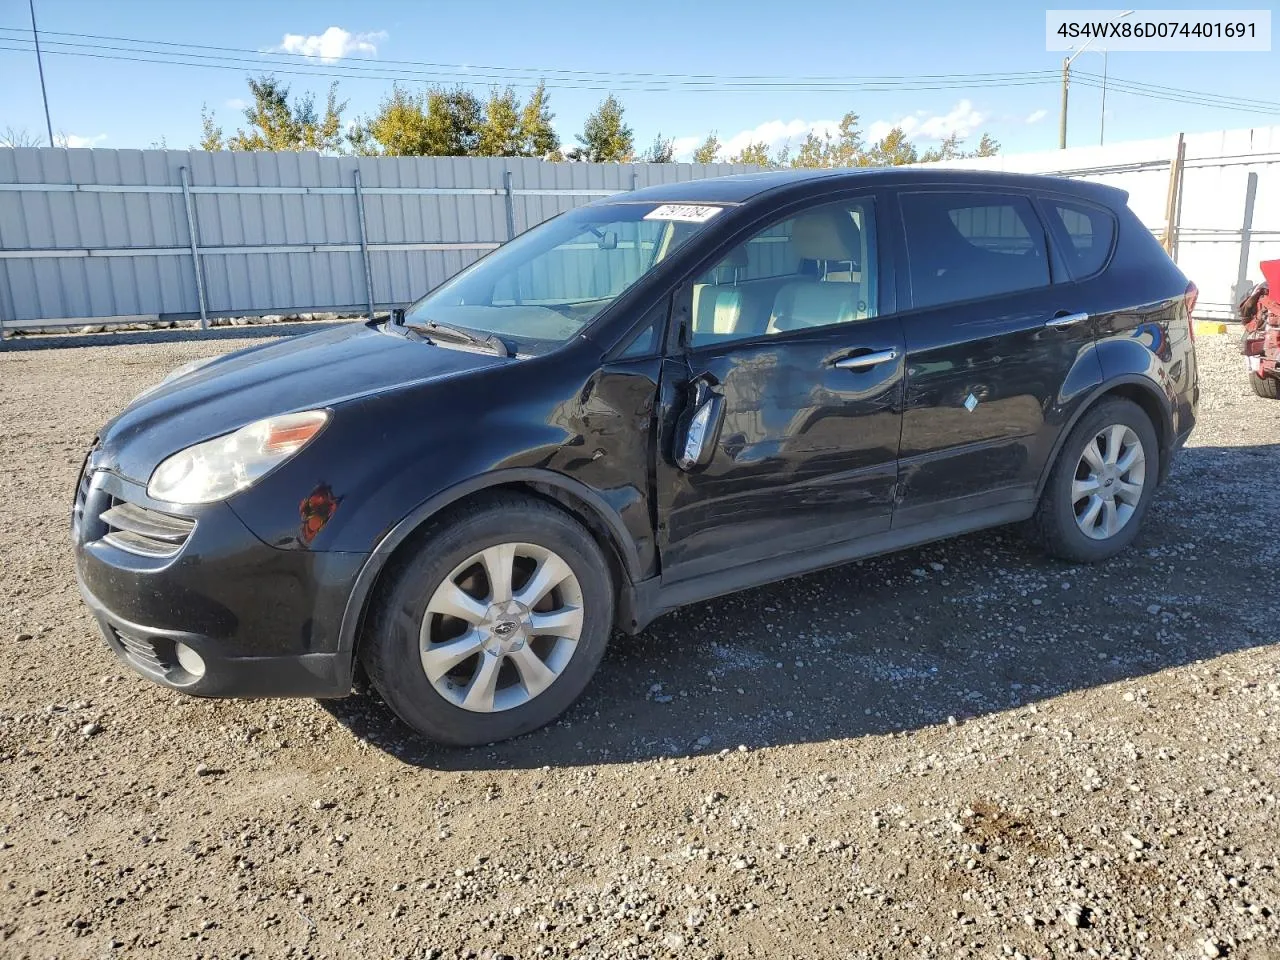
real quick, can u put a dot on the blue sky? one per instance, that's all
(114, 103)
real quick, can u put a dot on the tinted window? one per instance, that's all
(548, 284)
(967, 246)
(1089, 231)
(811, 270)
(643, 344)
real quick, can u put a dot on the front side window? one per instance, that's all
(547, 285)
(969, 246)
(811, 270)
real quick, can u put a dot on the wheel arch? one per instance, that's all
(575, 498)
(1137, 389)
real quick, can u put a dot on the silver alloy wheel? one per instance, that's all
(1108, 482)
(501, 627)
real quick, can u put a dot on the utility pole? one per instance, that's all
(1062, 111)
(40, 66)
(1102, 117)
(1066, 80)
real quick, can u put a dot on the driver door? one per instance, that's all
(791, 382)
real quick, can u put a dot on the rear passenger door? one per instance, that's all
(991, 344)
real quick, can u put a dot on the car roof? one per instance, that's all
(779, 185)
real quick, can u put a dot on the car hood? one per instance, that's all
(317, 370)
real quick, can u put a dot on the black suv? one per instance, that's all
(657, 398)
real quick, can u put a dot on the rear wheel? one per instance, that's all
(494, 626)
(1268, 387)
(1101, 485)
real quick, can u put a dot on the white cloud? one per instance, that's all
(1036, 116)
(235, 103)
(775, 133)
(332, 45)
(75, 140)
(962, 119)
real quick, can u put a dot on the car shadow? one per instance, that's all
(938, 634)
(265, 331)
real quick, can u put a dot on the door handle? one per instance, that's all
(865, 360)
(1069, 320)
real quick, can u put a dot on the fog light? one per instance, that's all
(189, 660)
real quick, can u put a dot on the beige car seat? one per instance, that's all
(717, 307)
(835, 297)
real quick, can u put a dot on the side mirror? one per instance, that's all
(397, 316)
(698, 428)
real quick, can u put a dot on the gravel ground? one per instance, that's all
(963, 750)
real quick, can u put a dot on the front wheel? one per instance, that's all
(1101, 485)
(494, 626)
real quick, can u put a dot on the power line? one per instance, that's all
(340, 71)
(1199, 100)
(306, 65)
(388, 75)
(1164, 88)
(547, 71)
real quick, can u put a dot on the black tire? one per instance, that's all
(390, 649)
(1268, 387)
(1054, 525)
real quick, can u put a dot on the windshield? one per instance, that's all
(546, 285)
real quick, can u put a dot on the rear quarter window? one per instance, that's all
(1085, 234)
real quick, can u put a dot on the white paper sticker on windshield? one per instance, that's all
(683, 212)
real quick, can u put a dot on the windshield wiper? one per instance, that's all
(443, 331)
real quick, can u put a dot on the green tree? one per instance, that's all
(500, 134)
(988, 146)
(277, 124)
(360, 140)
(398, 129)
(814, 151)
(707, 152)
(210, 132)
(893, 150)
(454, 119)
(947, 150)
(843, 150)
(755, 154)
(537, 136)
(662, 151)
(605, 136)
(849, 148)
(438, 122)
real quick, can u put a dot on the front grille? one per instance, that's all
(141, 650)
(143, 531)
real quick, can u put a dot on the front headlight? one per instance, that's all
(217, 468)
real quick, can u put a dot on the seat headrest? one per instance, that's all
(737, 257)
(825, 236)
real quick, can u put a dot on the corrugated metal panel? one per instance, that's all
(86, 210)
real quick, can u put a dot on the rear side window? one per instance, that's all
(1088, 234)
(970, 246)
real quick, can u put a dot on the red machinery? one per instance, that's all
(1260, 314)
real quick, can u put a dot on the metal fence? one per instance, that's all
(1225, 201)
(102, 236)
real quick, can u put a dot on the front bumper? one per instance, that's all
(265, 622)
